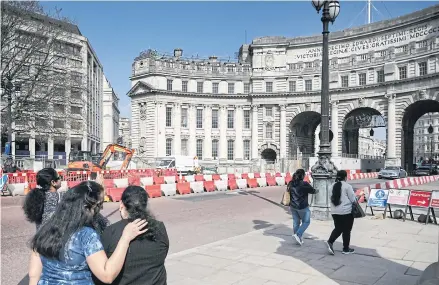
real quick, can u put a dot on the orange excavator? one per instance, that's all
(85, 161)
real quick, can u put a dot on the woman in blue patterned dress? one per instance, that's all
(66, 249)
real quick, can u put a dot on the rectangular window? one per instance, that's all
(58, 109)
(422, 68)
(268, 87)
(230, 69)
(308, 85)
(362, 79)
(215, 149)
(422, 44)
(200, 87)
(292, 86)
(246, 88)
(199, 118)
(184, 86)
(402, 72)
(169, 85)
(184, 117)
(169, 116)
(230, 119)
(230, 150)
(246, 150)
(215, 88)
(345, 81)
(168, 147)
(184, 147)
(214, 119)
(76, 110)
(200, 149)
(269, 111)
(269, 131)
(380, 76)
(246, 119)
(58, 124)
(231, 88)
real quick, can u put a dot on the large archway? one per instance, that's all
(411, 115)
(359, 129)
(302, 134)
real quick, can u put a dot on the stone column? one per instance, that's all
(391, 130)
(192, 143)
(176, 120)
(239, 124)
(223, 134)
(207, 124)
(255, 132)
(161, 139)
(334, 128)
(32, 145)
(50, 148)
(67, 147)
(283, 132)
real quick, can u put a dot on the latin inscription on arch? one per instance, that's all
(397, 38)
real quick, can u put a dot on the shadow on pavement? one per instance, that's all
(366, 266)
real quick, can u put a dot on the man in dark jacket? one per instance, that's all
(299, 206)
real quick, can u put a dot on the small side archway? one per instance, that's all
(269, 152)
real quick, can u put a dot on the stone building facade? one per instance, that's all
(267, 104)
(76, 110)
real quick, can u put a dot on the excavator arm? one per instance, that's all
(111, 149)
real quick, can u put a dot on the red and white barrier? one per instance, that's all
(396, 184)
(116, 181)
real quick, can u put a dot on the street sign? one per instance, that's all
(435, 199)
(398, 197)
(378, 198)
(420, 199)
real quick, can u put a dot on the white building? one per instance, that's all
(124, 132)
(370, 146)
(77, 113)
(266, 106)
(110, 115)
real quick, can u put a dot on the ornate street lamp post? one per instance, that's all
(323, 171)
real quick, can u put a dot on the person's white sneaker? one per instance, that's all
(298, 239)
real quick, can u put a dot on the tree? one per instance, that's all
(38, 69)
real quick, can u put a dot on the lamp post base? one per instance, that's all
(323, 174)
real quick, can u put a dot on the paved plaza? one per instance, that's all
(387, 252)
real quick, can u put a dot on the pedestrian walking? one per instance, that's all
(342, 197)
(299, 206)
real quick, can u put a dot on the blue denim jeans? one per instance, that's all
(301, 220)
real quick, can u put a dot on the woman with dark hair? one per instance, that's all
(66, 249)
(299, 206)
(342, 197)
(41, 202)
(145, 262)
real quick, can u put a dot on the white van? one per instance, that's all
(186, 165)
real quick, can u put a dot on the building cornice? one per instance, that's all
(353, 33)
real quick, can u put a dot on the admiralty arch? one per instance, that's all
(266, 104)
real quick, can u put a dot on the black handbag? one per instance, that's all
(357, 211)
